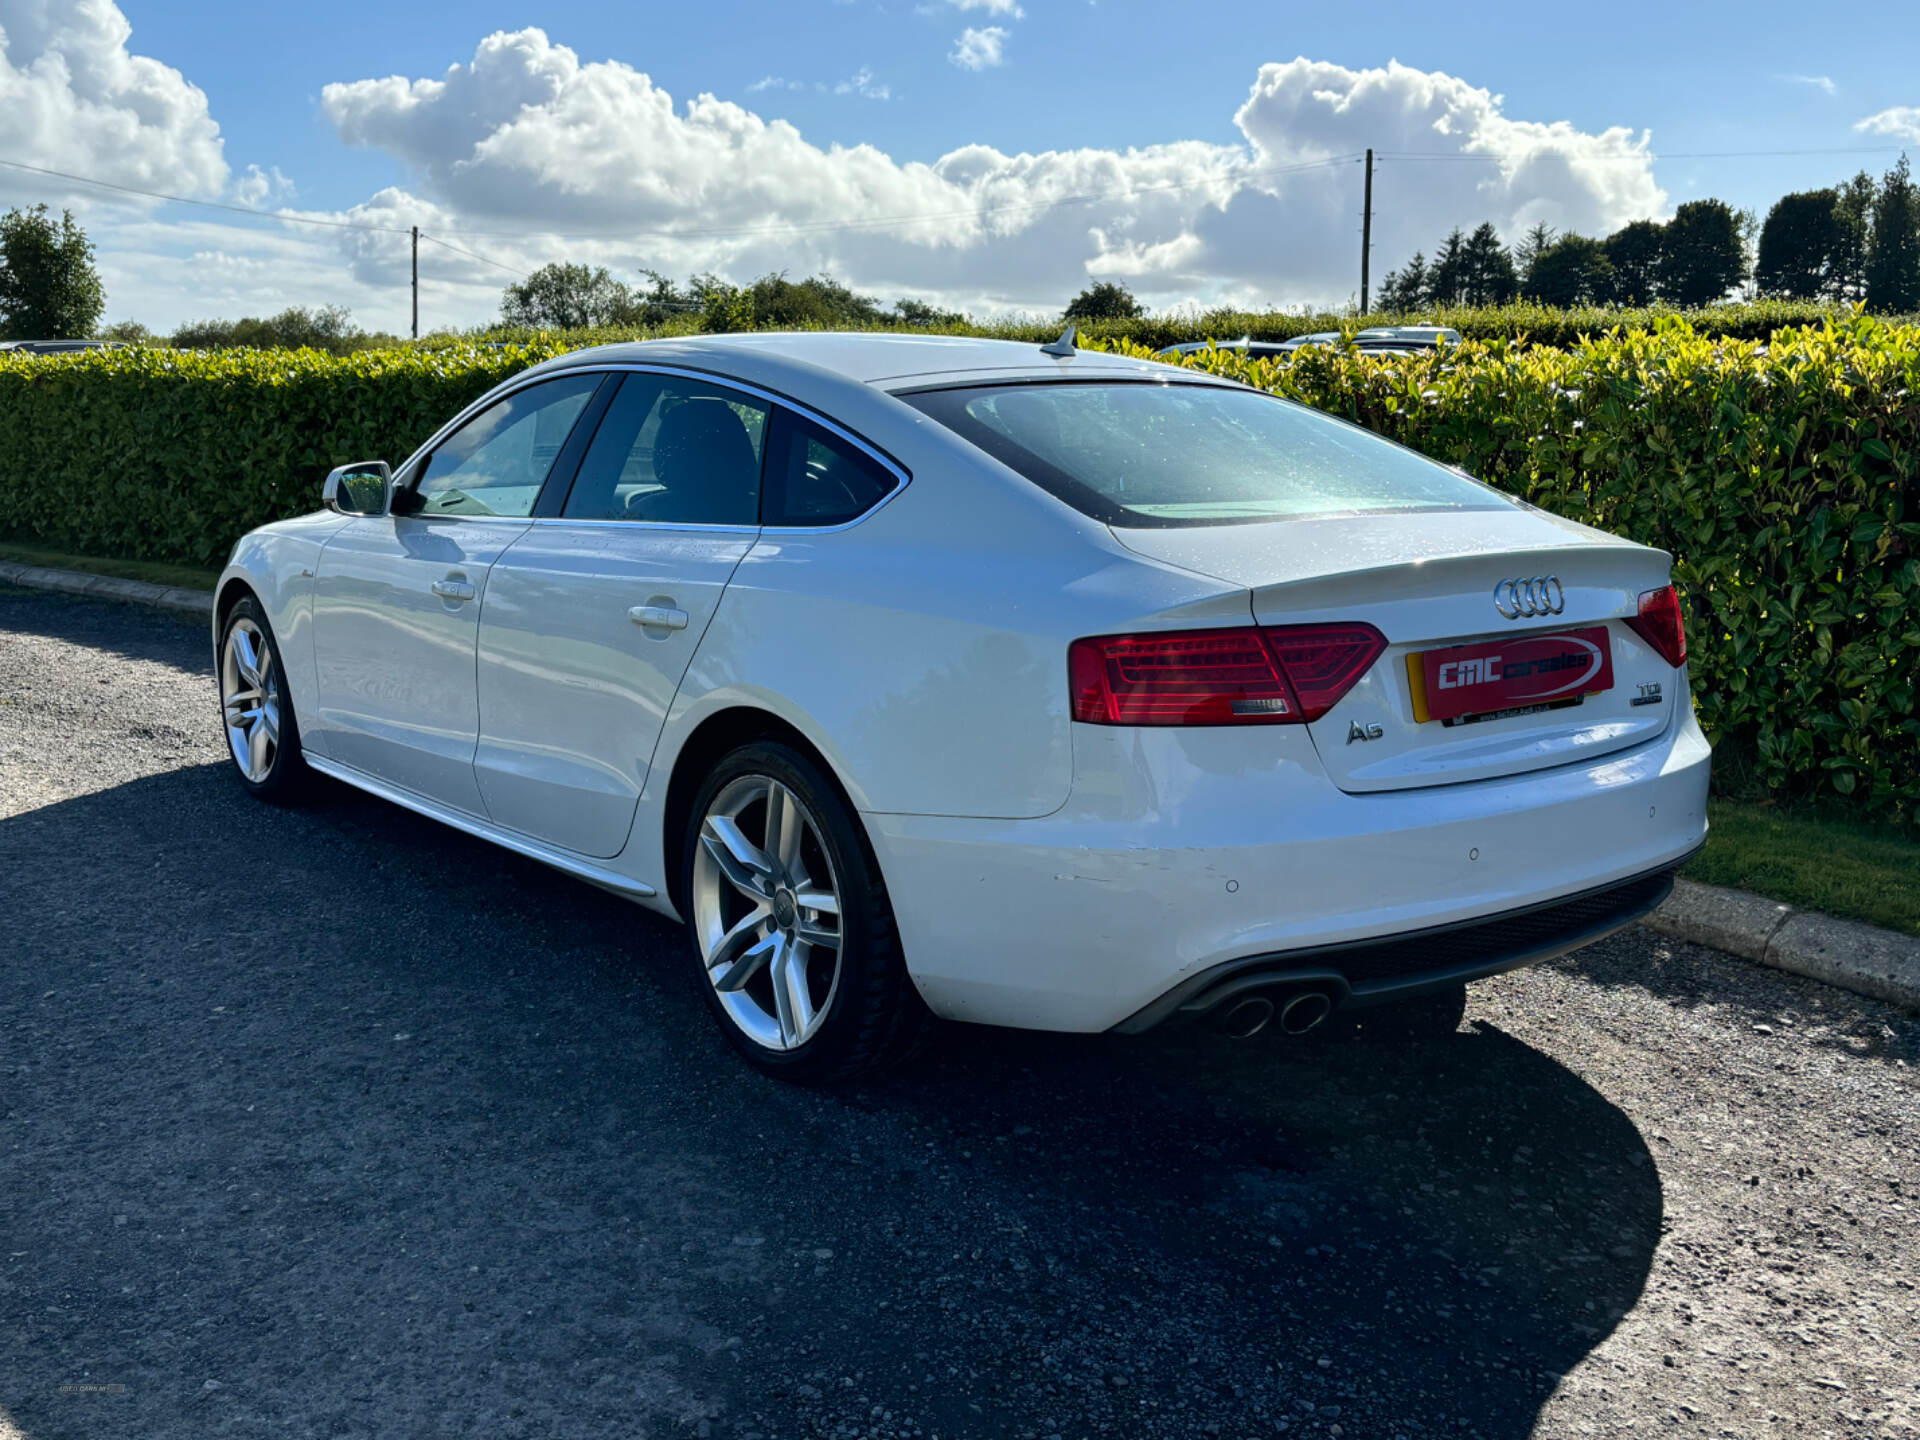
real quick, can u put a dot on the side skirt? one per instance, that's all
(610, 880)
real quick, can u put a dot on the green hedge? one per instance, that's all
(1539, 324)
(1783, 476)
(173, 454)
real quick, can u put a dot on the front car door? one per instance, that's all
(591, 616)
(396, 605)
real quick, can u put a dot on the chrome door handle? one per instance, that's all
(453, 589)
(658, 617)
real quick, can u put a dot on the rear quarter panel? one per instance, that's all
(923, 649)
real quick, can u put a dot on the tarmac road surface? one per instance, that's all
(329, 1121)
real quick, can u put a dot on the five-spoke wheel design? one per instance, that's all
(766, 911)
(250, 699)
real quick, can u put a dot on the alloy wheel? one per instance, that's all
(250, 700)
(766, 912)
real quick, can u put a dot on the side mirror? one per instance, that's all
(358, 489)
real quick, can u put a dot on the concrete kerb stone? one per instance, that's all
(108, 587)
(1865, 959)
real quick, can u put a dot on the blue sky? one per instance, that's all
(1054, 140)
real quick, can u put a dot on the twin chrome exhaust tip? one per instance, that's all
(1298, 1013)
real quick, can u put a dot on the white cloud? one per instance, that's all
(980, 48)
(259, 188)
(1823, 83)
(74, 98)
(1901, 121)
(1448, 155)
(167, 272)
(992, 7)
(528, 130)
(434, 122)
(526, 136)
(862, 83)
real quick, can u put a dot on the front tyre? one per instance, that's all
(255, 714)
(792, 930)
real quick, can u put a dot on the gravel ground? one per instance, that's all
(329, 1121)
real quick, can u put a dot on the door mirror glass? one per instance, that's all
(357, 489)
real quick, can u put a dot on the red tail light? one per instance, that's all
(1189, 677)
(1323, 662)
(1660, 625)
(1219, 677)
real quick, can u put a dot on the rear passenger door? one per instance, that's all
(592, 615)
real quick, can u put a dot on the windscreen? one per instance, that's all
(1148, 454)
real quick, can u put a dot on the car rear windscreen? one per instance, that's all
(1153, 454)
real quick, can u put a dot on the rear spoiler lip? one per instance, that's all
(1542, 560)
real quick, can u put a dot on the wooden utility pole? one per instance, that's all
(416, 276)
(1366, 233)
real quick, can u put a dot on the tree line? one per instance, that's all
(1693, 259)
(565, 296)
(1857, 243)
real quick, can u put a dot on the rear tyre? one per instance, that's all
(793, 935)
(256, 714)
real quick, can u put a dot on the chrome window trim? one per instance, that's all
(650, 525)
(469, 519)
(902, 476)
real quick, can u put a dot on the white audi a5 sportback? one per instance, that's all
(933, 676)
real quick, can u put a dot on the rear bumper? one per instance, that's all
(1376, 972)
(1187, 857)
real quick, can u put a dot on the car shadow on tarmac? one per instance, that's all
(332, 1119)
(133, 631)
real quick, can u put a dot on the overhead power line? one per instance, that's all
(472, 255)
(206, 204)
(1441, 156)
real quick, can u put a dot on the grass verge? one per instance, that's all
(156, 572)
(1816, 859)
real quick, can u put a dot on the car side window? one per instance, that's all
(496, 463)
(673, 451)
(816, 478)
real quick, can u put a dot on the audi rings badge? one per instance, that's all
(1531, 596)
